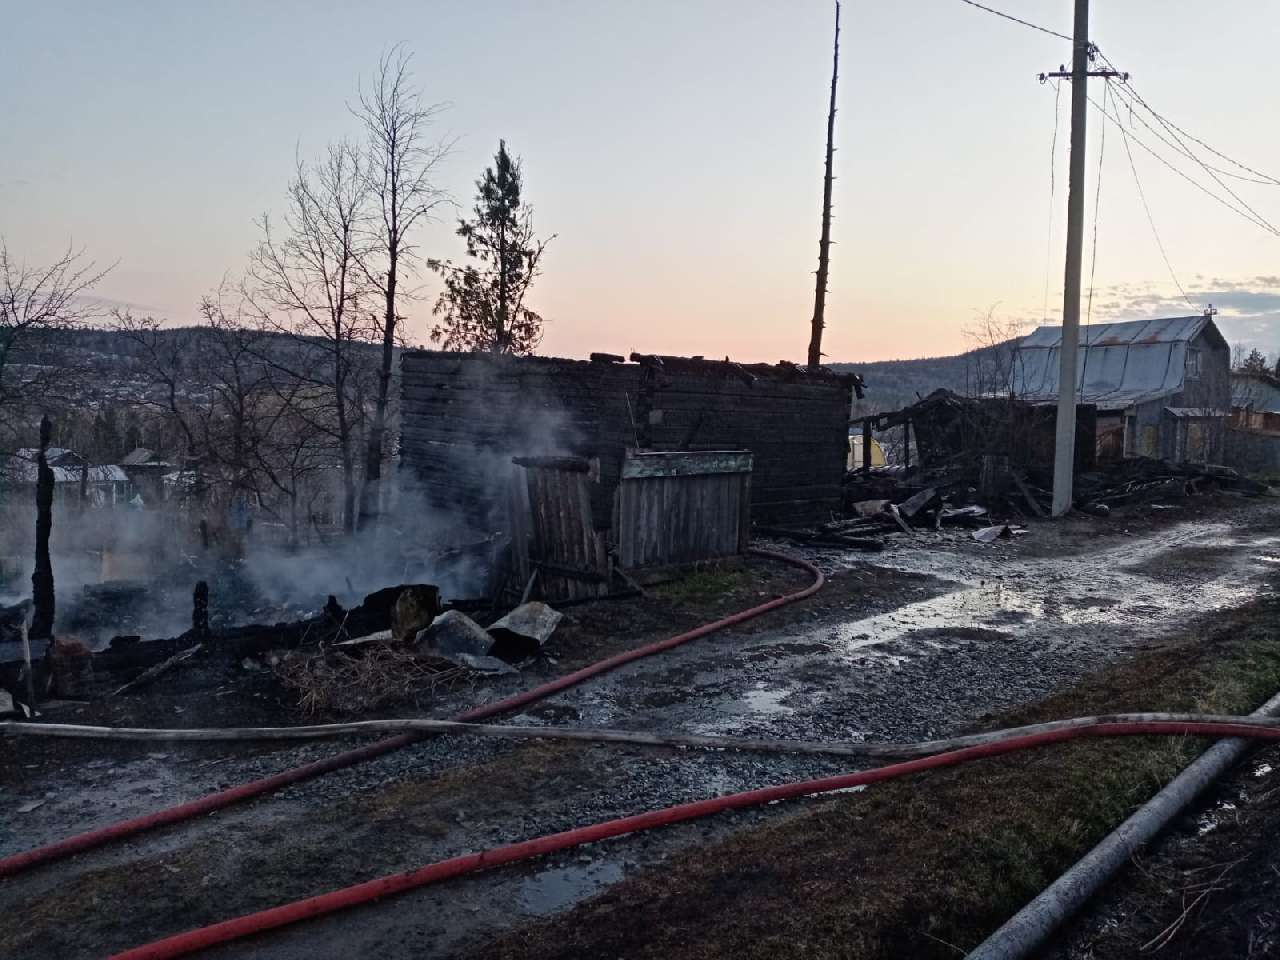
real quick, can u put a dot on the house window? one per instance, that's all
(1193, 364)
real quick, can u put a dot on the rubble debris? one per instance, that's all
(1142, 478)
(523, 632)
(482, 664)
(868, 508)
(833, 538)
(1031, 501)
(381, 636)
(415, 608)
(159, 669)
(454, 634)
(376, 610)
(70, 668)
(335, 681)
(12, 619)
(917, 502)
(1000, 531)
(897, 518)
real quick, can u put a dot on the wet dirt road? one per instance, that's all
(972, 629)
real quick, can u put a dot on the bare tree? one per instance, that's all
(306, 282)
(993, 354)
(400, 167)
(166, 368)
(482, 306)
(36, 302)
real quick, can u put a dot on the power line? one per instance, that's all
(1246, 213)
(1127, 95)
(1124, 138)
(1171, 126)
(1025, 23)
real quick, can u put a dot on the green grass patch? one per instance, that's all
(704, 584)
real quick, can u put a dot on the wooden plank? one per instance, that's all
(682, 463)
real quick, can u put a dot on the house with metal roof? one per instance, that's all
(1162, 387)
(1253, 435)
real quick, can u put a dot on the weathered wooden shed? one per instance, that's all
(466, 415)
(1164, 385)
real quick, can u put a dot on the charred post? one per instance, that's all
(42, 578)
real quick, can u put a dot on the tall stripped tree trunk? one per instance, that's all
(371, 493)
(42, 578)
(824, 244)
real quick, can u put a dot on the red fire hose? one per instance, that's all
(228, 930)
(216, 801)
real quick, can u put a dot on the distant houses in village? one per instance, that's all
(138, 480)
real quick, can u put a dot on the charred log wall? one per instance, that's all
(465, 415)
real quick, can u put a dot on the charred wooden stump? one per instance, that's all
(42, 577)
(70, 668)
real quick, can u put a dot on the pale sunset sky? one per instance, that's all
(674, 148)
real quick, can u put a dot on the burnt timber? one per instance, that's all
(465, 415)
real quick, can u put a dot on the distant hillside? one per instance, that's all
(893, 384)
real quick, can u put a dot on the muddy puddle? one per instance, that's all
(559, 886)
(1135, 589)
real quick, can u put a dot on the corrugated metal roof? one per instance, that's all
(1117, 365)
(137, 456)
(1166, 330)
(1258, 392)
(18, 470)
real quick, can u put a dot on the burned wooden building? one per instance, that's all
(779, 432)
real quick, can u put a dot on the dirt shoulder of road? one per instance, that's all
(927, 866)
(1208, 890)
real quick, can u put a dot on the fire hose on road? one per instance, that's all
(224, 798)
(928, 755)
(310, 907)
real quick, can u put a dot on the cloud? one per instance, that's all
(1248, 309)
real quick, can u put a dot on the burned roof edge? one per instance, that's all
(784, 371)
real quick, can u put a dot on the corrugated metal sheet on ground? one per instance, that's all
(1117, 365)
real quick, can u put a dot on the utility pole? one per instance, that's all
(824, 244)
(1065, 446)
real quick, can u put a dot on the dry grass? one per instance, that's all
(335, 682)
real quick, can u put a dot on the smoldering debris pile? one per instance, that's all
(401, 644)
(415, 658)
(1145, 480)
(902, 511)
(961, 453)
